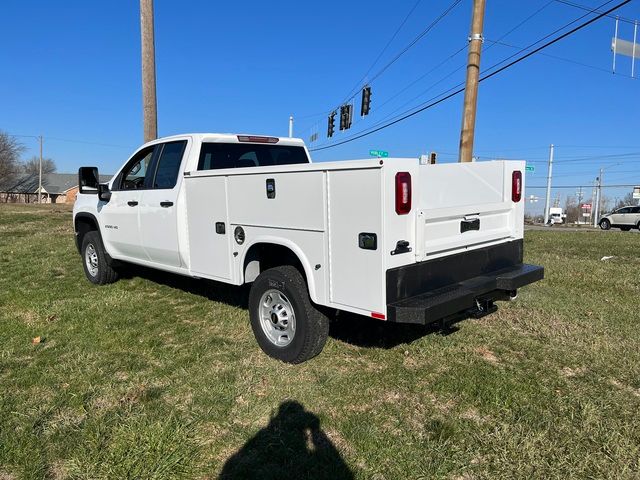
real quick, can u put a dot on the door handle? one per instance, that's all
(166, 204)
(132, 203)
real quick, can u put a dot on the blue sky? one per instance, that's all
(71, 72)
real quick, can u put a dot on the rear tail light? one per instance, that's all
(403, 193)
(516, 186)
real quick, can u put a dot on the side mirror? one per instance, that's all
(104, 193)
(88, 180)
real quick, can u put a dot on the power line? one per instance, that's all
(556, 57)
(589, 9)
(430, 27)
(520, 24)
(485, 77)
(72, 141)
(393, 37)
(582, 186)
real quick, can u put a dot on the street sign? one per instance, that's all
(378, 153)
(586, 206)
(636, 193)
(530, 168)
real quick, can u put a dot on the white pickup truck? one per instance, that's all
(389, 239)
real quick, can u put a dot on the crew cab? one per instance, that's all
(391, 239)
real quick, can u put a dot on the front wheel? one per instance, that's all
(94, 260)
(287, 326)
(605, 224)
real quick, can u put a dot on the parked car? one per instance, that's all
(624, 218)
(390, 239)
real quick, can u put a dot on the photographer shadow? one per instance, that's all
(292, 446)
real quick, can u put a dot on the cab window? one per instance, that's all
(134, 173)
(169, 160)
(215, 156)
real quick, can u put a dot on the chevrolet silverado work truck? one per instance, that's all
(390, 239)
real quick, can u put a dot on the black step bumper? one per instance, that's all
(430, 291)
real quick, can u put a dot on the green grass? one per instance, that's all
(157, 376)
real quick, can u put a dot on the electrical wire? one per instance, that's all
(484, 77)
(583, 7)
(393, 37)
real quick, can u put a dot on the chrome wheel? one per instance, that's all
(277, 318)
(91, 260)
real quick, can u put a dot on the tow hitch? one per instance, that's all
(484, 307)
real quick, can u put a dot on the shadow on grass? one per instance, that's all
(292, 446)
(346, 327)
(370, 333)
(212, 290)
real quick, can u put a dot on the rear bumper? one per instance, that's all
(430, 291)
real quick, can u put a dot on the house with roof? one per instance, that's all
(56, 188)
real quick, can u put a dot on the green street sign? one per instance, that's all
(530, 168)
(378, 153)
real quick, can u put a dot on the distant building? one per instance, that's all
(56, 188)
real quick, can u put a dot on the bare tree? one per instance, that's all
(32, 166)
(626, 200)
(10, 150)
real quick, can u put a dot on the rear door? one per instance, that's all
(465, 205)
(159, 205)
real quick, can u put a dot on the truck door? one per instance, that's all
(159, 205)
(119, 216)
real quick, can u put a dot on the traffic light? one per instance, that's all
(346, 113)
(366, 101)
(331, 124)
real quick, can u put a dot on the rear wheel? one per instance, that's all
(94, 260)
(605, 224)
(287, 326)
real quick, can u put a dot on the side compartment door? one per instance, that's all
(119, 216)
(159, 205)
(208, 224)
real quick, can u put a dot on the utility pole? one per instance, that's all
(593, 206)
(290, 126)
(598, 199)
(149, 105)
(546, 203)
(40, 174)
(579, 195)
(471, 87)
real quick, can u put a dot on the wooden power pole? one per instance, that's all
(471, 87)
(149, 105)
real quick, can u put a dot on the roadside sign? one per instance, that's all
(636, 193)
(530, 168)
(586, 206)
(378, 153)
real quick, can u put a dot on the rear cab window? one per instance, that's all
(214, 156)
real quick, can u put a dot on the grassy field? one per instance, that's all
(156, 376)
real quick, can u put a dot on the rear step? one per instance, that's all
(475, 294)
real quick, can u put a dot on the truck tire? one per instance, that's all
(287, 326)
(94, 260)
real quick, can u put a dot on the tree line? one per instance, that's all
(11, 163)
